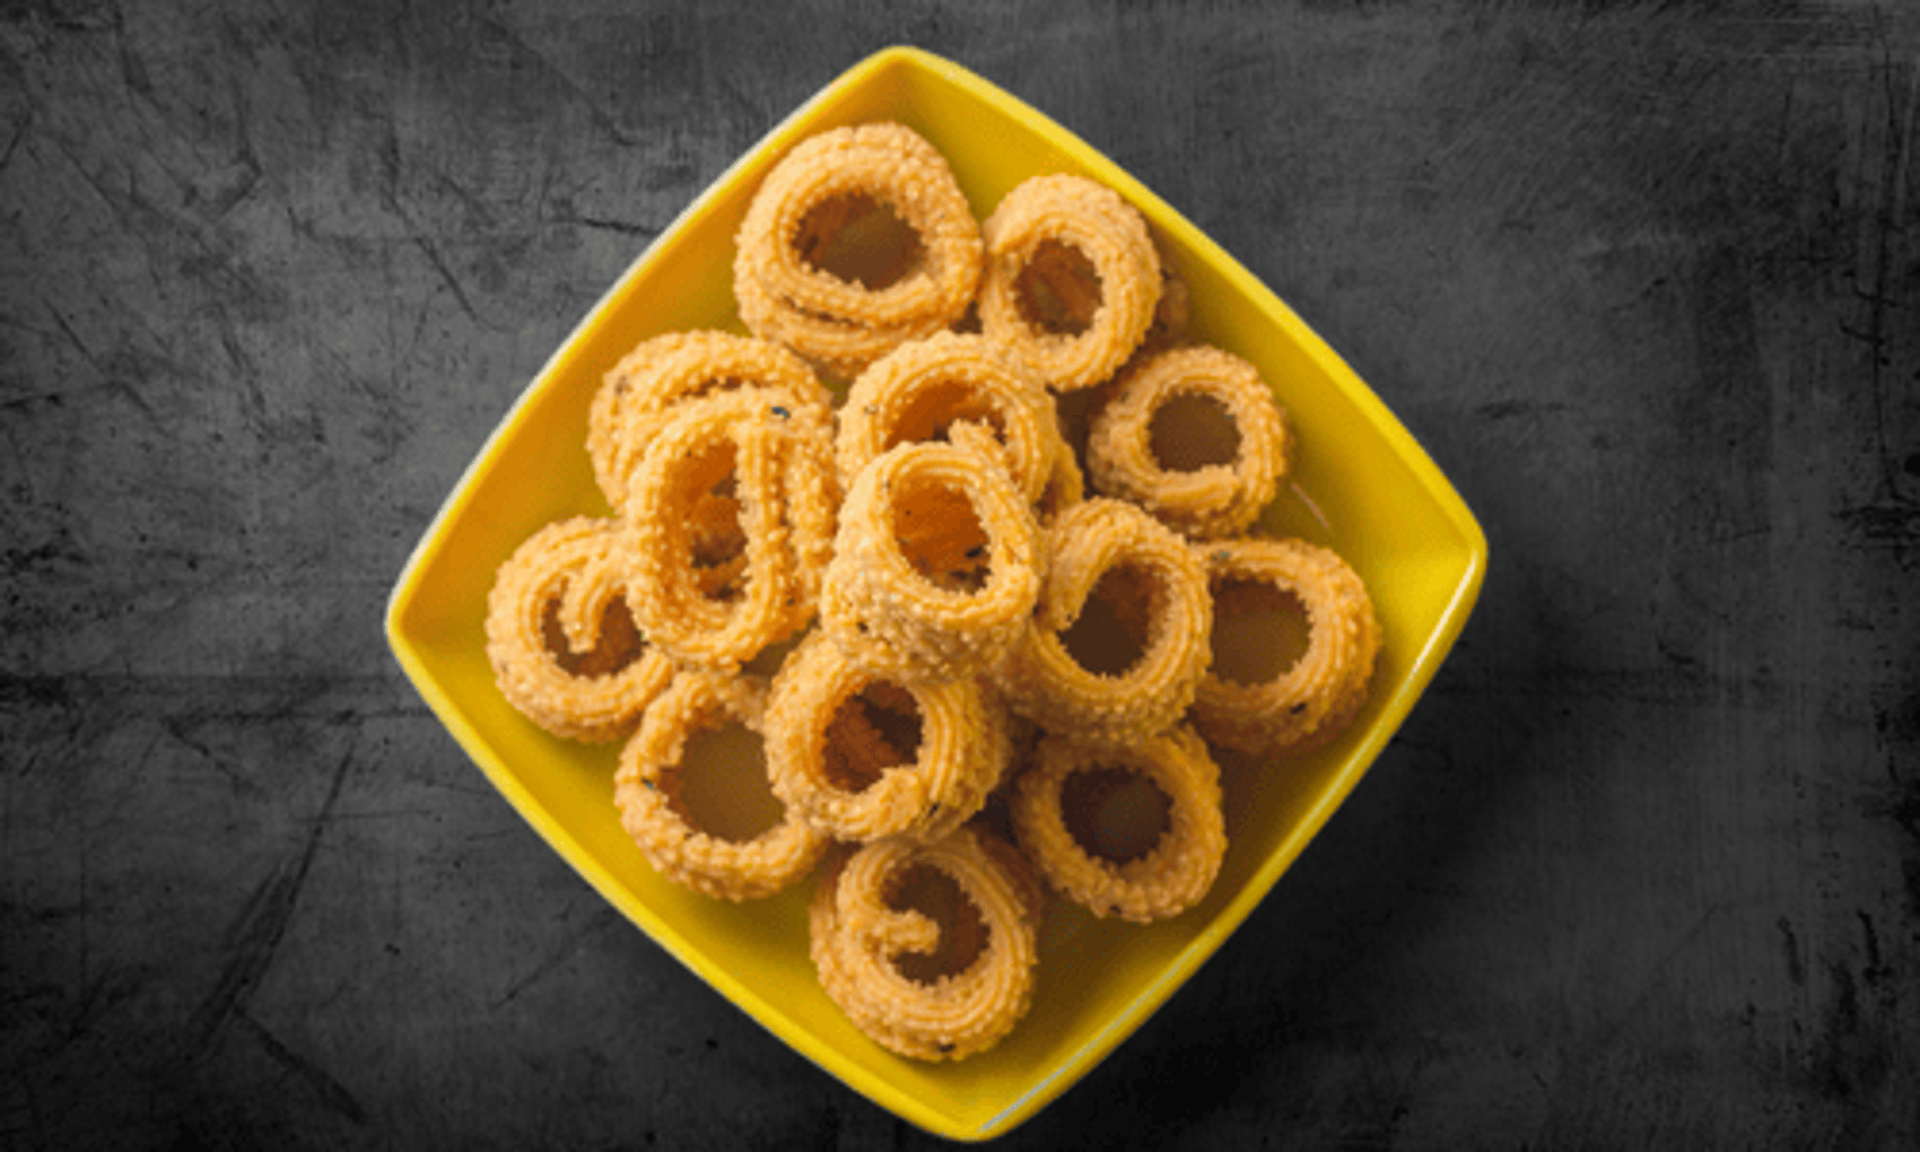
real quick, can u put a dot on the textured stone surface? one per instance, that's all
(1642, 870)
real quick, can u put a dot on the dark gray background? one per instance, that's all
(1643, 869)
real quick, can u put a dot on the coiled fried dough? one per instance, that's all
(1169, 877)
(560, 634)
(842, 325)
(660, 372)
(936, 563)
(782, 483)
(1314, 699)
(860, 943)
(1211, 501)
(920, 390)
(647, 786)
(828, 759)
(1043, 214)
(1041, 678)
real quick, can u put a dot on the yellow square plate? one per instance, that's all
(1360, 484)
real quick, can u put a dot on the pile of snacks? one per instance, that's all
(886, 592)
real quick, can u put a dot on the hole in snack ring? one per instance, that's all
(1190, 432)
(720, 785)
(717, 539)
(1114, 814)
(937, 896)
(875, 729)
(940, 534)
(1259, 631)
(1109, 636)
(1058, 291)
(938, 407)
(858, 239)
(619, 645)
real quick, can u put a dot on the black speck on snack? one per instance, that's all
(781, 412)
(1297, 708)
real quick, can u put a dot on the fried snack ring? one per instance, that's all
(1112, 235)
(964, 749)
(841, 325)
(784, 489)
(558, 656)
(1211, 501)
(646, 791)
(1170, 877)
(1315, 699)
(856, 939)
(936, 563)
(660, 372)
(921, 389)
(1043, 681)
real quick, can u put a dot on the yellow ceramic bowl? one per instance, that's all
(1360, 484)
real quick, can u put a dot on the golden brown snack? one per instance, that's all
(1166, 586)
(561, 637)
(662, 371)
(827, 183)
(647, 793)
(1030, 229)
(1216, 499)
(864, 944)
(1314, 699)
(862, 757)
(781, 482)
(936, 563)
(1166, 879)
(920, 390)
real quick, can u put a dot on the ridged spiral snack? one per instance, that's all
(637, 394)
(830, 763)
(1042, 679)
(1171, 876)
(647, 785)
(1089, 217)
(1314, 699)
(857, 939)
(560, 635)
(936, 564)
(840, 325)
(781, 478)
(1211, 501)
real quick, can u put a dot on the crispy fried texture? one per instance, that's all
(784, 489)
(560, 635)
(1216, 499)
(919, 391)
(1041, 678)
(1170, 877)
(843, 326)
(1316, 698)
(830, 763)
(646, 793)
(859, 943)
(1039, 217)
(636, 395)
(936, 564)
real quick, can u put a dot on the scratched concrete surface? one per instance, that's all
(1642, 870)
